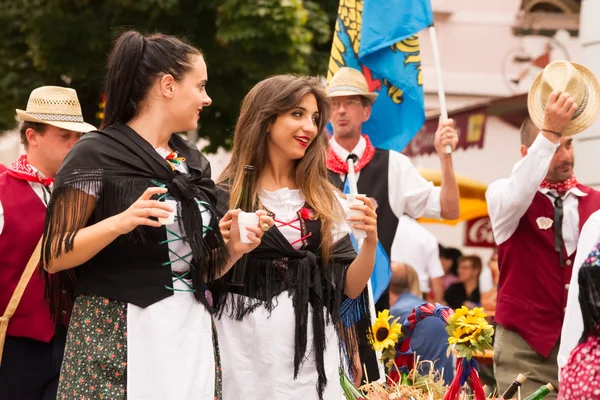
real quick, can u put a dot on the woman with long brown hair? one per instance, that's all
(281, 330)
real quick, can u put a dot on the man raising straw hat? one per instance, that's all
(34, 343)
(536, 216)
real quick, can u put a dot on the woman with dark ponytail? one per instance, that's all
(131, 233)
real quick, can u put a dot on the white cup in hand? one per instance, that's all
(171, 218)
(353, 201)
(245, 220)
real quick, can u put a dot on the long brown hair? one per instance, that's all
(260, 108)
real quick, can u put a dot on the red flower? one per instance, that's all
(307, 214)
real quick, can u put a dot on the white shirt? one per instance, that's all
(177, 329)
(509, 199)
(573, 324)
(417, 247)
(41, 192)
(409, 192)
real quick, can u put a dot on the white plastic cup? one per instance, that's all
(171, 218)
(352, 201)
(246, 219)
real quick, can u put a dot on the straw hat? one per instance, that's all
(577, 80)
(349, 82)
(56, 106)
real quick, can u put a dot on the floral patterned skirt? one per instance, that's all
(95, 360)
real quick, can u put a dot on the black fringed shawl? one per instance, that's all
(103, 174)
(274, 267)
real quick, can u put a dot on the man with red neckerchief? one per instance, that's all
(34, 344)
(537, 215)
(386, 176)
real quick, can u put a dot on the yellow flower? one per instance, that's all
(383, 334)
(469, 331)
(464, 334)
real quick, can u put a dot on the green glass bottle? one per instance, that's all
(540, 393)
(245, 202)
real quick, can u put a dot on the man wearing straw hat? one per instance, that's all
(34, 343)
(537, 214)
(387, 176)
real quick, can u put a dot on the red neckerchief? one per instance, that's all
(339, 166)
(21, 169)
(560, 187)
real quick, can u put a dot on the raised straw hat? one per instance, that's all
(349, 82)
(56, 106)
(578, 81)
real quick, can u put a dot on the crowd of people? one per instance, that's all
(127, 275)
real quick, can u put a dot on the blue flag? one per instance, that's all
(380, 278)
(378, 38)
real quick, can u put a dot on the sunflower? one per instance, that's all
(383, 334)
(469, 331)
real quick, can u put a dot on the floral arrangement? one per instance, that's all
(403, 379)
(469, 334)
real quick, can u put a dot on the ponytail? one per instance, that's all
(135, 62)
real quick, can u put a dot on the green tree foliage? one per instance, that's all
(66, 42)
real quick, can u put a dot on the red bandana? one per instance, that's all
(339, 166)
(560, 187)
(21, 169)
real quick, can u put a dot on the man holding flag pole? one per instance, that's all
(375, 84)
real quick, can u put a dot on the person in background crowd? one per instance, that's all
(466, 292)
(34, 347)
(429, 339)
(386, 176)
(419, 248)
(449, 258)
(488, 298)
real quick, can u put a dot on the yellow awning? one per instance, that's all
(472, 197)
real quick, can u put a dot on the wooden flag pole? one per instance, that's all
(440, 84)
